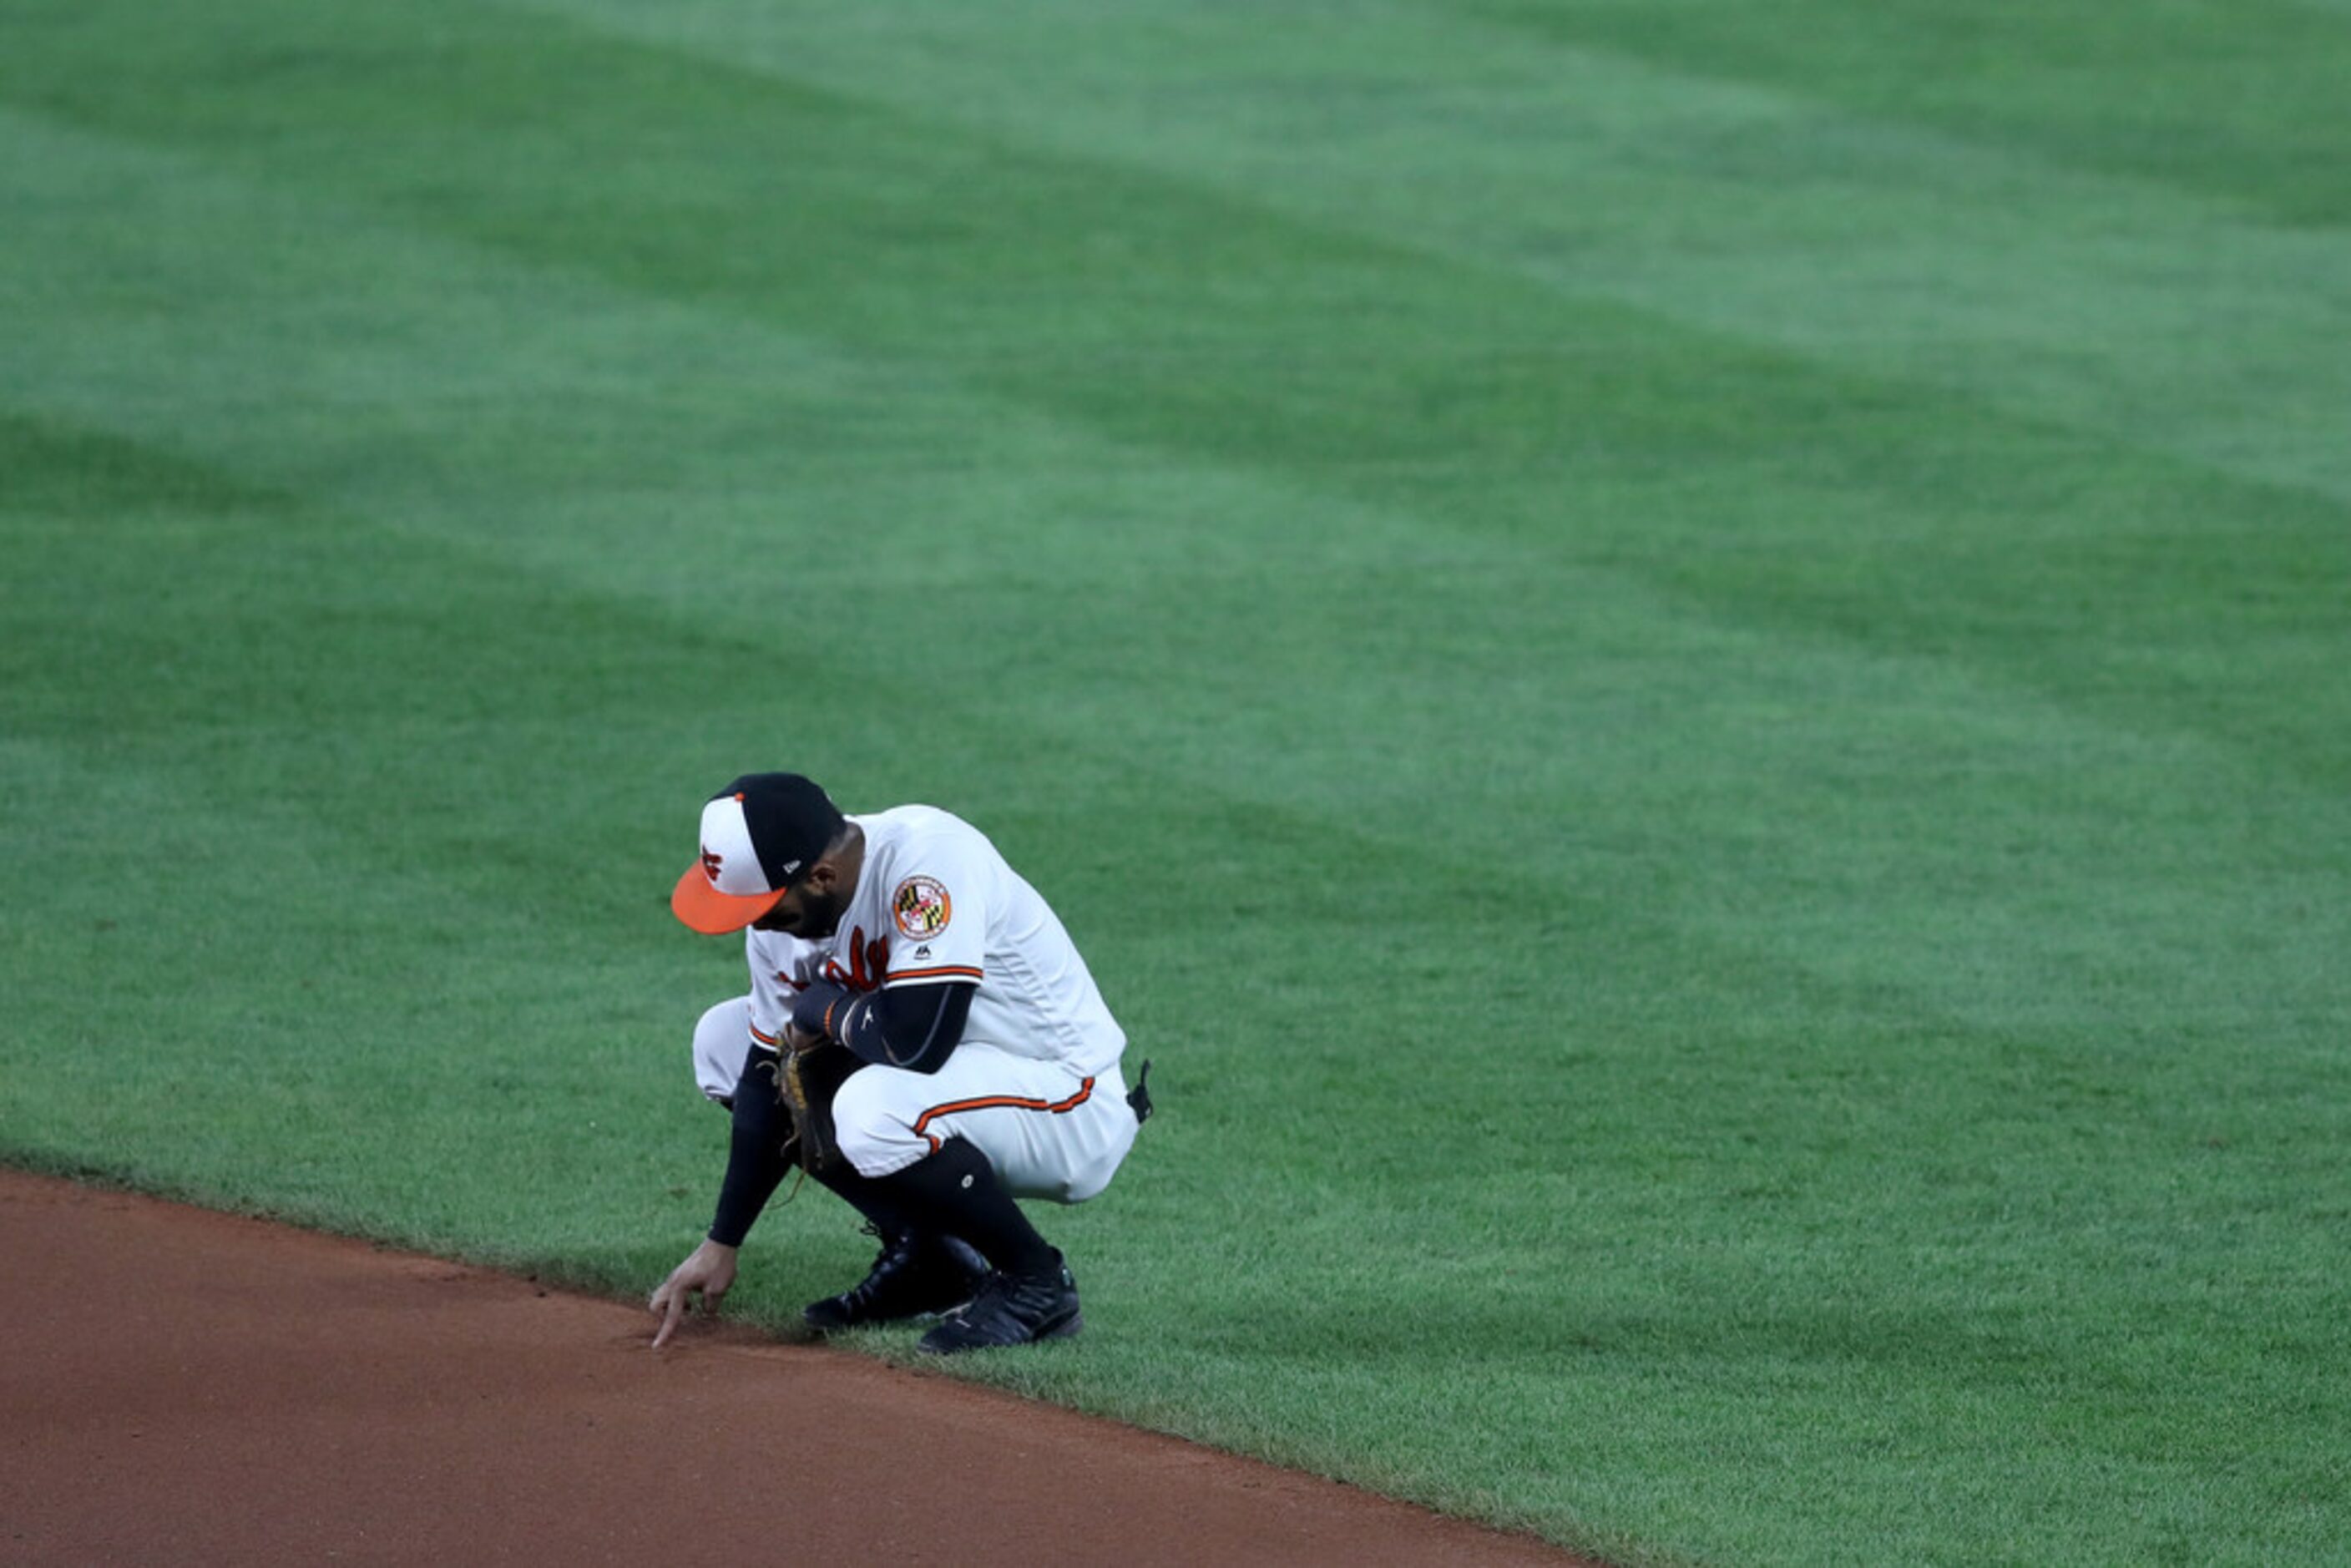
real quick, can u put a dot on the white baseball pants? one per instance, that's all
(1048, 1131)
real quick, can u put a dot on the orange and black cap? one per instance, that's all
(759, 834)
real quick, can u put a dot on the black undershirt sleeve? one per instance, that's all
(913, 1026)
(756, 1161)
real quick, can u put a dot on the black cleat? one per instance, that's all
(916, 1274)
(1009, 1311)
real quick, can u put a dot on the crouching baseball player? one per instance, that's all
(921, 1037)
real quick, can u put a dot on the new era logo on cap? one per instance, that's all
(757, 834)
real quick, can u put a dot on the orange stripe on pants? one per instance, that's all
(998, 1102)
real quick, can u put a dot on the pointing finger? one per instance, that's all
(674, 1314)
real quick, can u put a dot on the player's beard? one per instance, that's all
(820, 914)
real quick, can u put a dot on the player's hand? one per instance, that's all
(709, 1271)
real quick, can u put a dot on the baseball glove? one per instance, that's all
(809, 1071)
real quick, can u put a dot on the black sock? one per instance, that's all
(863, 1194)
(955, 1190)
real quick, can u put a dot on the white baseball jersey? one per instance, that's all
(935, 903)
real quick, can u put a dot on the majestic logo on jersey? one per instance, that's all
(711, 863)
(921, 907)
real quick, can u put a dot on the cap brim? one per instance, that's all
(713, 913)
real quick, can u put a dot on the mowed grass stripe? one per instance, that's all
(1479, 404)
(2164, 318)
(2241, 103)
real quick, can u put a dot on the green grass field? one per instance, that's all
(1688, 667)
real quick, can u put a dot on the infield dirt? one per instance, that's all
(186, 1387)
